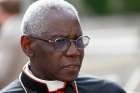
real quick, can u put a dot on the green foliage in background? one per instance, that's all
(102, 7)
(132, 5)
(95, 6)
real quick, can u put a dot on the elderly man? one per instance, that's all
(54, 43)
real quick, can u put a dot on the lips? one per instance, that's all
(72, 67)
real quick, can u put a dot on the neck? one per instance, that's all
(52, 85)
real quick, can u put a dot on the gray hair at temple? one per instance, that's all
(35, 18)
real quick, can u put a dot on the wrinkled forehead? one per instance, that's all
(62, 23)
(54, 12)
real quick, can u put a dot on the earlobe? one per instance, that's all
(26, 46)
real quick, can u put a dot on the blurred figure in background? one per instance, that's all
(11, 57)
(0, 29)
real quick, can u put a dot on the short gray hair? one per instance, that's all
(34, 20)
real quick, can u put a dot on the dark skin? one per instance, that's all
(48, 63)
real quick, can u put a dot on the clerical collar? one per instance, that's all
(51, 85)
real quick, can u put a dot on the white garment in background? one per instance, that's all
(11, 56)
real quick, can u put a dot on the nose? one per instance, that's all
(73, 50)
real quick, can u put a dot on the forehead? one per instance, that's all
(62, 23)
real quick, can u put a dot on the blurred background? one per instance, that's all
(114, 49)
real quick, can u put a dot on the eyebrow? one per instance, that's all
(66, 36)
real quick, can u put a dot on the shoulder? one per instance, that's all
(96, 85)
(14, 87)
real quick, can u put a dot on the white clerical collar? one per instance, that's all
(51, 85)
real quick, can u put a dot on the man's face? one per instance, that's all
(53, 63)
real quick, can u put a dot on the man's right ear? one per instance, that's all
(26, 46)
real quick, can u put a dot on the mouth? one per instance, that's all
(72, 67)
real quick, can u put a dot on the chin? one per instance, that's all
(68, 77)
(67, 74)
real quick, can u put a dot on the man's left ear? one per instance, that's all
(26, 46)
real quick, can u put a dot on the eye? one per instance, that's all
(79, 43)
(61, 42)
(82, 41)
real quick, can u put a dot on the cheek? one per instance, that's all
(43, 51)
(53, 56)
(52, 62)
(81, 54)
(50, 57)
